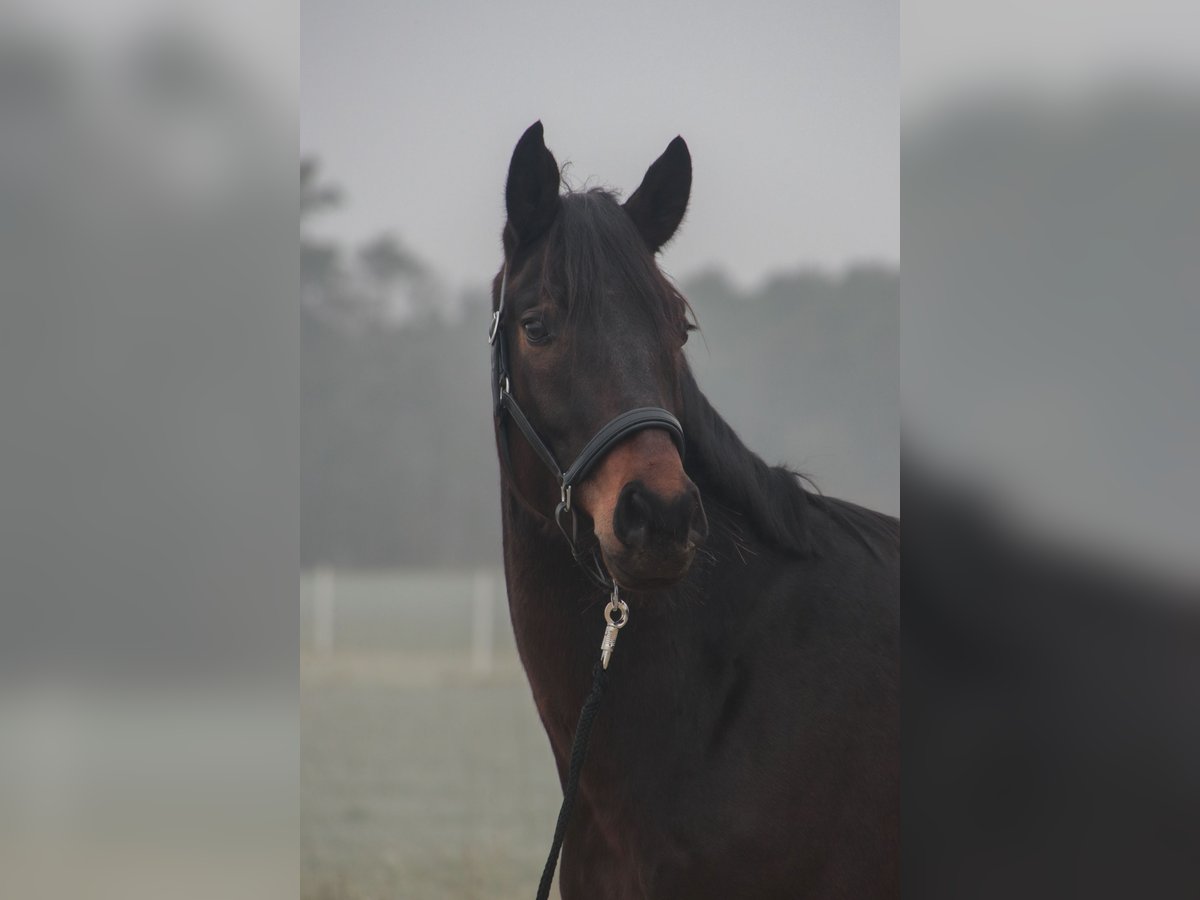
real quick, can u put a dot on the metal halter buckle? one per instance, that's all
(495, 329)
(616, 614)
(566, 498)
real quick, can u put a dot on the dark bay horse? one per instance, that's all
(749, 742)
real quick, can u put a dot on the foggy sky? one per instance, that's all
(790, 110)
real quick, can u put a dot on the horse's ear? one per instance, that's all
(531, 194)
(658, 205)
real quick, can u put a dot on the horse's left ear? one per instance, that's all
(658, 205)
(531, 193)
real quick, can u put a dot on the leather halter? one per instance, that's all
(505, 407)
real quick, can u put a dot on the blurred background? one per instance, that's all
(1050, 382)
(425, 771)
(188, 418)
(149, 357)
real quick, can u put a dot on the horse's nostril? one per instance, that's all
(631, 521)
(642, 518)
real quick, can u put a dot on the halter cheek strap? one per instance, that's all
(505, 407)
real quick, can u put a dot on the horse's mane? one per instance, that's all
(774, 502)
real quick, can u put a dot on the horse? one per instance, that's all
(749, 744)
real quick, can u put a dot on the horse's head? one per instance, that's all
(595, 329)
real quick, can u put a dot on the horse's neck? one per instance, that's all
(557, 617)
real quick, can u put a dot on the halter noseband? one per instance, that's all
(505, 406)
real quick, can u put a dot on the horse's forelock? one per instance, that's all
(593, 250)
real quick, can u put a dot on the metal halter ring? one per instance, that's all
(617, 605)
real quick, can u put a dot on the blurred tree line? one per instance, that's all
(397, 454)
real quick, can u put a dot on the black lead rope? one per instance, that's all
(616, 614)
(579, 749)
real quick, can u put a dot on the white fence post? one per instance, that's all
(323, 610)
(482, 650)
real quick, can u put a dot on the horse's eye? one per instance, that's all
(535, 330)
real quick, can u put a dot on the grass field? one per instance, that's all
(421, 776)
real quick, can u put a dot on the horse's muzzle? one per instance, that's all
(654, 536)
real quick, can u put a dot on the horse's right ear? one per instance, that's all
(658, 205)
(531, 194)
